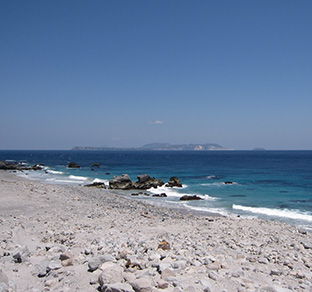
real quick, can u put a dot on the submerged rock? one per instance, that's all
(162, 195)
(73, 165)
(190, 198)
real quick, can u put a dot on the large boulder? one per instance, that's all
(121, 183)
(111, 274)
(174, 182)
(73, 165)
(146, 182)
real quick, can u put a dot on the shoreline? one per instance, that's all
(52, 234)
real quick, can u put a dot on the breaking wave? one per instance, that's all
(285, 213)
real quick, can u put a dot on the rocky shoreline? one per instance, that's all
(72, 238)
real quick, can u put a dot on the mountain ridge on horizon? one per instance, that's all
(160, 146)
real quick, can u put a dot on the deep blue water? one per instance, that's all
(266, 184)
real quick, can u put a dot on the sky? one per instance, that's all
(126, 73)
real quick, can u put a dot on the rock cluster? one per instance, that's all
(16, 166)
(144, 182)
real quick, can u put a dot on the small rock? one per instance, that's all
(117, 287)
(43, 268)
(111, 274)
(142, 285)
(55, 265)
(306, 244)
(263, 261)
(275, 273)
(4, 279)
(162, 284)
(164, 245)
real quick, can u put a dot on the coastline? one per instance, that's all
(42, 223)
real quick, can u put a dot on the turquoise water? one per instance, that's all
(266, 184)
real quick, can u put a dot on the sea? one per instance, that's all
(273, 185)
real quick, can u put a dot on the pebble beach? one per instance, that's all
(73, 238)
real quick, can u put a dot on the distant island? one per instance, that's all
(160, 146)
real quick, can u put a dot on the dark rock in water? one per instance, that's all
(9, 166)
(162, 195)
(228, 182)
(107, 173)
(190, 198)
(283, 206)
(37, 167)
(174, 182)
(73, 165)
(96, 164)
(146, 182)
(121, 183)
(134, 194)
(98, 185)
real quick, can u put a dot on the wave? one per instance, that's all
(285, 213)
(173, 192)
(170, 192)
(99, 180)
(55, 172)
(76, 177)
(221, 211)
(218, 184)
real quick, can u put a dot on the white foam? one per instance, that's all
(218, 184)
(220, 211)
(170, 192)
(76, 177)
(55, 172)
(286, 213)
(98, 180)
(63, 181)
(208, 198)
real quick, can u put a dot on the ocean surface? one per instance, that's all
(266, 184)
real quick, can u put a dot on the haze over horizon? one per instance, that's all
(128, 73)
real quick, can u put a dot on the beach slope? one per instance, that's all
(73, 238)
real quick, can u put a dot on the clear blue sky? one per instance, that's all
(127, 73)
